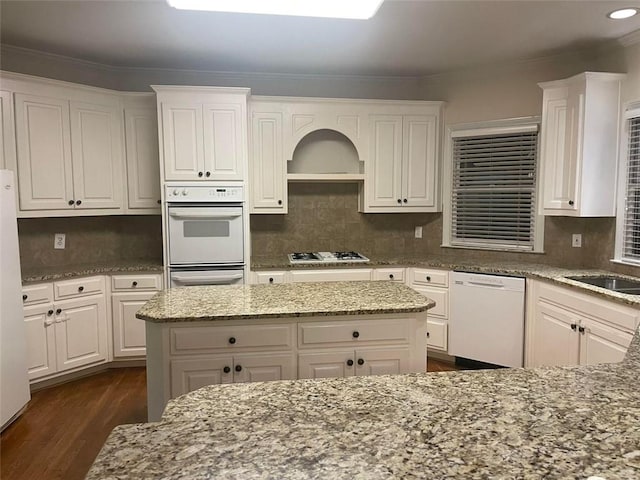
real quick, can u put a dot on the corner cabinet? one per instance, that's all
(204, 132)
(143, 163)
(565, 327)
(579, 144)
(402, 173)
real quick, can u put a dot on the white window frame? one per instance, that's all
(631, 110)
(495, 127)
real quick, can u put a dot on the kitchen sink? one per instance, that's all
(609, 282)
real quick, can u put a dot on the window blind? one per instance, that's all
(631, 227)
(494, 190)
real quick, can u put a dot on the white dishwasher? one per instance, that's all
(486, 321)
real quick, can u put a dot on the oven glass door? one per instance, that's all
(205, 235)
(186, 278)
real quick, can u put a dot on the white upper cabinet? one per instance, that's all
(97, 155)
(70, 148)
(268, 174)
(7, 135)
(204, 132)
(43, 132)
(402, 173)
(579, 144)
(143, 163)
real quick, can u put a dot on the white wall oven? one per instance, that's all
(205, 234)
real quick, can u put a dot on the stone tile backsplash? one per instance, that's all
(89, 240)
(325, 216)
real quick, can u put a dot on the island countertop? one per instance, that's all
(209, 303)
(556, 422)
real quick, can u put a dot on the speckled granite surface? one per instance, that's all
(282, 300)
(71, 271)
(562, 422)
(531, 270)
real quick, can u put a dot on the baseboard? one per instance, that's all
(85, 372)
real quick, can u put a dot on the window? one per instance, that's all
(493, 188)
(628, 232)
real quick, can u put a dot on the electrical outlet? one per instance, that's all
(576, 240)
(419, 231)
(59, 241)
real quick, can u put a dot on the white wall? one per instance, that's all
(627, 60)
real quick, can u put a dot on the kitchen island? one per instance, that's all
(561, 422)
(199, 336)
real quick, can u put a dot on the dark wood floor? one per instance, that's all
(64, 427)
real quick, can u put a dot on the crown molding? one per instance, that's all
(630, 39)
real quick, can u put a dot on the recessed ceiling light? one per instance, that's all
(622, 13)
(354, 9)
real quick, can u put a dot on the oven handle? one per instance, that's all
(209, 279)
(186, 213)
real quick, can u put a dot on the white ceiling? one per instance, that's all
(418, 37)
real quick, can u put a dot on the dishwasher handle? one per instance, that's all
(482, 284)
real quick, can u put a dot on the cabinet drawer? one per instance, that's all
(353, 332)
(135, 282)
(438, 295)
(394, 274)
(78, 287)
(270, 277)
(335, 275)
(40, 293)
(423, 276)
(189, 340)
(437, 334)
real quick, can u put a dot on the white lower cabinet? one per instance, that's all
(185, 357)
(331, 275)
(346, 363)
(188, 374)
(570, 328)
(130, 293)
(433, 284)
(65, 335)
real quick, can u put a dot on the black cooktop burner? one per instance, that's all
(305, 256)
(348, 255)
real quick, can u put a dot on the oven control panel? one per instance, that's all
(202, 193)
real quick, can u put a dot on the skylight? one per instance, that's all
(353, 9)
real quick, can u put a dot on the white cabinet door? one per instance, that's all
(224, 141)
(143, 164)
(386, 161)
(326, 364)
(437, 334)
(128, 331)
(263, 368)
(96, 147)
(189, 374)
(270, 277)
(382, 361)
(555, 337)
(45, 178)
(183, 141)
(419, 161)
(7, 135)
(602, 344)
(559, 171)
(268, 166)
(41, 340)
(81, 332)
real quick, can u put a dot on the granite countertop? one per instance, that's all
(231, 302)
(559, 422)
(553, 274)
(47, 274)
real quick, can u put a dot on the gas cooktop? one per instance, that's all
(326, 257)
